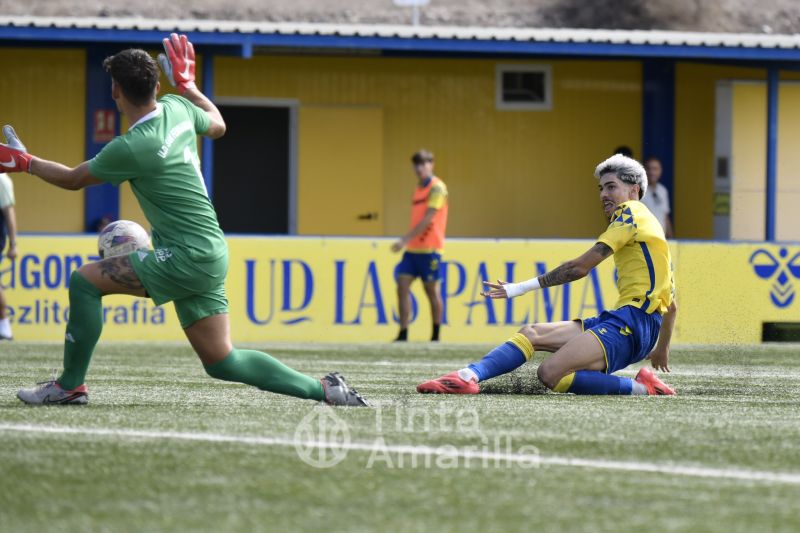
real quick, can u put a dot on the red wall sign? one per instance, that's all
(104, 129)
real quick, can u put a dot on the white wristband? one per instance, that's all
(518, 289)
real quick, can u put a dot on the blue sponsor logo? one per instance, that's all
(47, 276)
(781, 271)
(286, 291)
(34, 272)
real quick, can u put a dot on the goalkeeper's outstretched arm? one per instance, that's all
(70, 178)
(14, 157)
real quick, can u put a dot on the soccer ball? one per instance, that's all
(121, 238)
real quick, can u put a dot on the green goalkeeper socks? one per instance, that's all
(267, 373)
(83, 330)
(245, 366)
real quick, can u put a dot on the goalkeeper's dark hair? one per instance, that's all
(136, 73)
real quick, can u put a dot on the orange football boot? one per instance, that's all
(449, 384)
(655, 387)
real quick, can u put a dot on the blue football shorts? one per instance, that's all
(627, 335)
(420, 265)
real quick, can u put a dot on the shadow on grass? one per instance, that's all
(522, 381)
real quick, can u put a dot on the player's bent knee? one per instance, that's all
(530, 333)
(79, 280)
(87, 270)
(212, 356)
(77, 273)
(215, 371)
(548, 375)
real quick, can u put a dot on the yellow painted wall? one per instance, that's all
(749, 161)
(788, 218)
(509, 173)
(448, 106)
(695, 88)
(338, 136)
(44, 99)
(695, 96)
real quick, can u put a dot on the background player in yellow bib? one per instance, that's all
(424, 243)
(588, 352)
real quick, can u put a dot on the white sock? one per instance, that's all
(638, 389)
(5, 327)
(467, 374)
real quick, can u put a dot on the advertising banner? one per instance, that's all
(342, 290)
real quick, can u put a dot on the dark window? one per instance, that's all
(524, 87)
(251, 170)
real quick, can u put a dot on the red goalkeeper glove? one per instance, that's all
(14, 157)
(178, 62)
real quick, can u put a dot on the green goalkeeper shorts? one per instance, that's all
(171, 275)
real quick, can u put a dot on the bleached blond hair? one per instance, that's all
(626, 169)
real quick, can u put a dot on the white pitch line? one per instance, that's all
(792, 478)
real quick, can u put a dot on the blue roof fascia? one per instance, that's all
(246, 41)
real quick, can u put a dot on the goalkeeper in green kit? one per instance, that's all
(189, 262)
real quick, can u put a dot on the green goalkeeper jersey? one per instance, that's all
(158, 155)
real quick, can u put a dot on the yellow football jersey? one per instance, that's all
(641, 254)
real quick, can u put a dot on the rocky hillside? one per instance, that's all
(757, 16)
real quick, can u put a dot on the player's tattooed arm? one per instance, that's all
(576, 268)
(569, 271)
(120, 271)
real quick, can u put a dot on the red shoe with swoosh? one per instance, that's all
(14, 157)
(50, 393)
(448, 384)
(655, 387)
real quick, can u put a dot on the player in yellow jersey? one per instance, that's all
(423, 242)
(588, 352)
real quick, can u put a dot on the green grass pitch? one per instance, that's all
(162, 447)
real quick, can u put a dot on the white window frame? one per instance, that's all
(502, 68)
